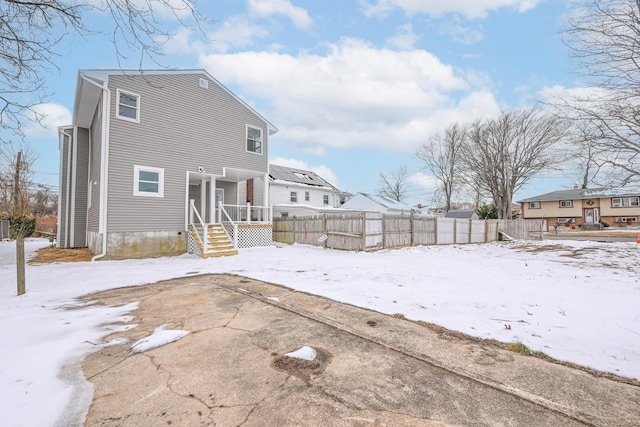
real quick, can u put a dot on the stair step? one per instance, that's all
(220, 253)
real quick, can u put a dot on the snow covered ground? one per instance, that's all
(580, 304)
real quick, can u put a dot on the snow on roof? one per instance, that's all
(299, 176)
(387, 202)
(584, 193)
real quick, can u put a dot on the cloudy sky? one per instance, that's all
(354, 86)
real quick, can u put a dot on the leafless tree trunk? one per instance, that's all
(441, 157)
(394, 185)
(604, 38)
(502, 154)
(30, 32)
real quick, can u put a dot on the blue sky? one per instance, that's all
(354, 86)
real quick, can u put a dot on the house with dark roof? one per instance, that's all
(301, 192)
(585, 207)
(462, 214)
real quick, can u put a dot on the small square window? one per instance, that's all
(534, 205)
(148, 181)
(128, 107)
(254, 140)
(294, 197)
(566, 203)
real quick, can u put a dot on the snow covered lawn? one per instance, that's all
(575, 301)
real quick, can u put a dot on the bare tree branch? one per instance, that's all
(394, 185)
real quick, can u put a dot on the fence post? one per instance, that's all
(470, 230)
(455, 231)
(411, 229)
(294, 229)
(364, 231)
(435, 228)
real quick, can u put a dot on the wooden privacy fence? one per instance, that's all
(373, 230)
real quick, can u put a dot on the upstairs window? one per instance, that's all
(621, 202)
(128, 107)
(306, 196)
(566, 203)
(534, 205)
(294, 197)
(148, 181)
(325, 199)
(254, 140)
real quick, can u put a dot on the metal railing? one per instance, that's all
(248, 214)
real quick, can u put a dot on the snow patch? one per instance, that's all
(304, 353)
(159, 337)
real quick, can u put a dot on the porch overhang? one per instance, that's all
(238, 175)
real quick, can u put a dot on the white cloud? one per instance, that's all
(53, 115)
(461, 33)
(236, 32)
(266, 8)
(325, 172)
(405, 39)
(354, 95)
(472, 9)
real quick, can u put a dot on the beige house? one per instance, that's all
(585, 207)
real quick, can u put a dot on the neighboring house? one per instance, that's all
(300, 192)
(462, 214)
(616, 206)
(141, 146)
(375, 203)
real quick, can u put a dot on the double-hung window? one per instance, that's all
(621, 202)
(294, 197)
(148, 181)
(128, 107)
(325, 199)
(254, 139)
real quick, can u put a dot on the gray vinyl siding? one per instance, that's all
(182, 127)
(63, 200)
(93, 212)
(81, 161)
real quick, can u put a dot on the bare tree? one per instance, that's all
(603, 37)
(440, 155)
(502, 154)
(394, 185)
(30, 32)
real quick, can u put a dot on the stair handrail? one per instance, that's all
(234, 238)
(194, 212)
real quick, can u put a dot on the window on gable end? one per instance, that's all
(254, 139)
(128, 107)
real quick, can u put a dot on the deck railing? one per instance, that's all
(198, 224)
(226, 221)
(248, 214)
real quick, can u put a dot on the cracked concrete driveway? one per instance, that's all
(371, 369)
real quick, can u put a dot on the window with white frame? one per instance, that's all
(623, 202)
(128, 107)
(627, 219)
(306, 196)
(254, 139)
(534, 205)
(566, 203)
(148, 181)
(294, 197)
(325, 199)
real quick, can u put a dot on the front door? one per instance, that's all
(591, 216)
(219, 201)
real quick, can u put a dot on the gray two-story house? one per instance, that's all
(162, 162)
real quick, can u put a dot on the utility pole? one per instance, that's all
(18, 215)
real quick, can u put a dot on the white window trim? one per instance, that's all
(534, 205)
(246, 141)
(292, 195)
(621, 204)
(136, 181)
(570, 203)
(129, 119)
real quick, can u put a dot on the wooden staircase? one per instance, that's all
(218, 243)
